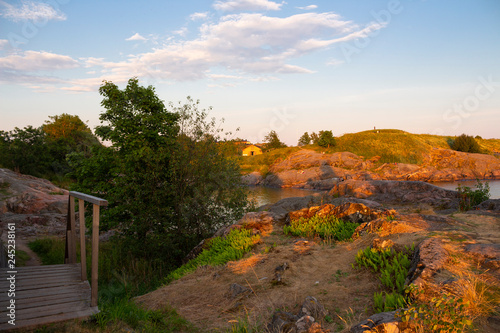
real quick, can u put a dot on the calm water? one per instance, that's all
(494, 186)
(268, 195)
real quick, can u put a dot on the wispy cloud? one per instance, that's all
(310, 7)
(248, 46)
(3, 43)
(247, 5)
(198, 16)
(31, 11)
(136, 37)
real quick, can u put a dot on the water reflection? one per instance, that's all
(494, 186)
(269, 195)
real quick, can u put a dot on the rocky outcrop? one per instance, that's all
(397, 191)
(384, 322)
(428, 259)
(310, 312)
(36, 205)
(314, 170)
(487, 254)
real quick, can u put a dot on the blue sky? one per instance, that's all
(421, 66)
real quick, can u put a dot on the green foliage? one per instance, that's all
(393, 268)
(305, 139)
(42, 151)
(322, 226)
(168, 180)
(218, 251)
(244, 326)
(273, 141)
(466, 143)
(49, 250)
(445, 313)
(384, 301)
(470, 198)
(326, 139)
(126, 312)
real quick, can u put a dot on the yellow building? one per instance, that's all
(252, 150)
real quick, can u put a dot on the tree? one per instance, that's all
(466, 143)
(326, 139)
(168, 182)
(305, 139)
(273, 141)
(314, 138)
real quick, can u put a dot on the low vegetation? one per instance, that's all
(326, 227)
(218, 251)
(470, 198)
(466, 144)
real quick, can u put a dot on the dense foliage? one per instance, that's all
(43, 151)
(466, 143)
(326, 139)
(273, 141)
(305, 139)
(326, 227)
(470, 198)
(166, 176)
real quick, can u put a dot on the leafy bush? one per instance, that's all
(470, 198)
(322, 226)
(219, 251)
(445, 313)
(393, 268)
(466, 143)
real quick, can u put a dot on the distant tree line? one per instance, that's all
(322, 139)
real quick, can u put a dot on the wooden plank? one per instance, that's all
(72, 232)
(83, 250)
(89, 198)
(45, 291)
(32, 269)
(34, 302)
(50, 319)
(95, 253)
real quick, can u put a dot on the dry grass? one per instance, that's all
(244, 265)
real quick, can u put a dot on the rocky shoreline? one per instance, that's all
(309, 169)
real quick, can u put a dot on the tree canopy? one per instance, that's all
(167, 179)
(273, 141)
(305, 139)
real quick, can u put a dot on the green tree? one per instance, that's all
(314, 138)
(273, 141)
(305, 139)
(326, 139)
(167, 178)
(466, 143)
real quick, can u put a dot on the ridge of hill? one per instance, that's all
(388, 145)
(382, 155)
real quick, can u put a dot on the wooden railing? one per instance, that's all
(70, 251)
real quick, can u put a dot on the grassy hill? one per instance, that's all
(392, 145)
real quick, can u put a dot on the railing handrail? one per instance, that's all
(70, 255)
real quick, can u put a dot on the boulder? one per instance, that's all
(397, 191)
(491, 204)
(252, 179)
(306, 320)
(384, 322)
(428, 259)
(487, 254)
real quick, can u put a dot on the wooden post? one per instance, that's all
(83, 254)
(70, 246)
(95, 254)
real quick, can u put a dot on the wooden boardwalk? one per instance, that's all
(38, 295)
(44, 294)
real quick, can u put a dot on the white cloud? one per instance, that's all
(3, 43)
(136, 37)
(198, 16)
(247, 5)
(33, 61)
(31, 11)
(310, 7)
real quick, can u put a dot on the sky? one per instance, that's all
(422, 66)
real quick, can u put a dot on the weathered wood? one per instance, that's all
(95, 253)
(52, 293)
(89, 198)
(83, 255)
(72, 253)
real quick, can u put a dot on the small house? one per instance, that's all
(251, 150)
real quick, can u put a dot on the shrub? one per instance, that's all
(393, 268)
(219, 251)
(470, 198)
(466, 143)
(322, 226)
